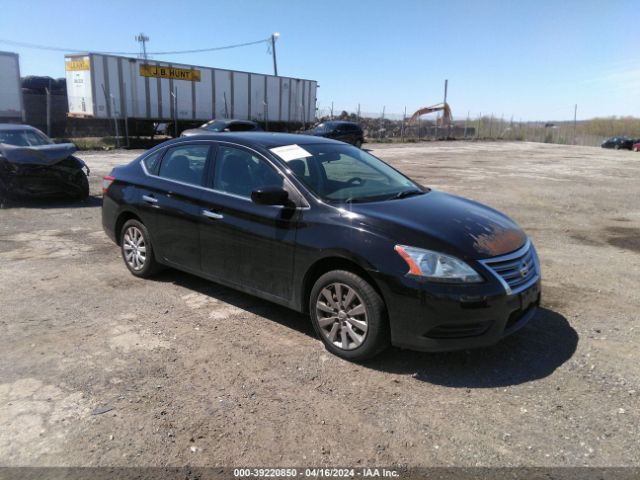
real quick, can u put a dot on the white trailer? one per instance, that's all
(11, 105)
(108, 86)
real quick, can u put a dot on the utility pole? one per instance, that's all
(143, 39)
(465, 124)
(404, 118)
(446, 87)
(174, 94)
(48, 92)
(575, 122)
(126, 114)
(273, 52)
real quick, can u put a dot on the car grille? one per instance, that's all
(517, 270)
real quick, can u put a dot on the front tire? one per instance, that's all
(349, 315)
(137, 252)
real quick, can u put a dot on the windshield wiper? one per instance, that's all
(406, 193)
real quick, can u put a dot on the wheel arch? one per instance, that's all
(123, 218)
(327, 264)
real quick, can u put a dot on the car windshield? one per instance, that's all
(24, 138)
(345, 174)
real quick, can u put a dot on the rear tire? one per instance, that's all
(137, 252)
(349, 316)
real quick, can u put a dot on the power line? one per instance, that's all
(176, 52)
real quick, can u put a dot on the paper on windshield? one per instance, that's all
(291, 152)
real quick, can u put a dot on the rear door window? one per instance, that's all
(185, 164)
(240, 172)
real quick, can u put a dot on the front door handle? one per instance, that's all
(149, 199)
(210, 214)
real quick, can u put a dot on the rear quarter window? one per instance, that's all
(152, 161)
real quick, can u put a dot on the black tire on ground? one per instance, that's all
(377, 336)
(149, 266)
(83, 184)
(4, 200)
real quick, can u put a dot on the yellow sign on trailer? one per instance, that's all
(77, 64)
(192, 75)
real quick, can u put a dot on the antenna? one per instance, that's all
(143, 39)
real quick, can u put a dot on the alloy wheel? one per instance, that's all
(135, 248)
(342, 316)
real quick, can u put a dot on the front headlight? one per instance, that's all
(436, 266)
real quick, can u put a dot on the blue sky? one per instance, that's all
(526, 59)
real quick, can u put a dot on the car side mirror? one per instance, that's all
(270, 195)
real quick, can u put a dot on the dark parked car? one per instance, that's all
(31, 165)
(216, 126)
(618, 143)
(327, 229)
(348, 132)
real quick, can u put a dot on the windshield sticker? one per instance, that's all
(291, 152)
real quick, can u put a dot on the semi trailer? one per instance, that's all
(114, 87)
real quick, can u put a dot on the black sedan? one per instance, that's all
(328, 229)
(225, 125)
(618, 143)
(31, 165)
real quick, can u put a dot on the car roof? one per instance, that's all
(258, 139)
(15, 126)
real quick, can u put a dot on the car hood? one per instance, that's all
(444, 222)
(37, 155)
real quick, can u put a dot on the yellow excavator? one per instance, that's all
(439, 107)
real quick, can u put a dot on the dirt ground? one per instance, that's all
(100, 368)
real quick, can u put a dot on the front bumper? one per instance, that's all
(431, 317)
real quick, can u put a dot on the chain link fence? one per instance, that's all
(386, 126)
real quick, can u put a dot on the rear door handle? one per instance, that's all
(210, 214)
(149, 199)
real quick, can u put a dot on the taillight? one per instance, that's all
(106, 183)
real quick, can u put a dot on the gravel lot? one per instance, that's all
(100, 368)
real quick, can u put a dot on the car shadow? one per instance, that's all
(530, 354)
(89, 202)
(244, 301)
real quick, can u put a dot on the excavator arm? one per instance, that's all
(440, 107)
